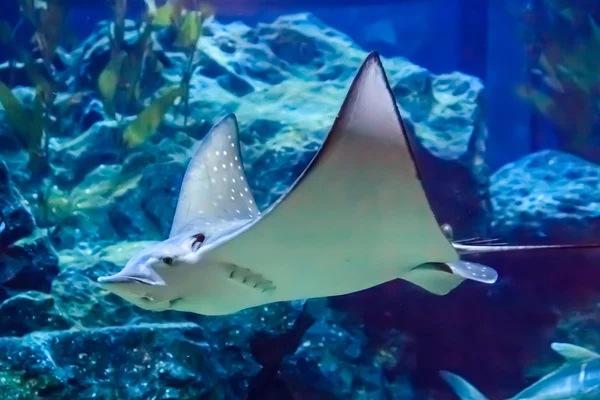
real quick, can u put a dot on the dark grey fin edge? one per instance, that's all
(372, 58)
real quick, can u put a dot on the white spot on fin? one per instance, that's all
(214, 181)
(473, 271)
(571, 352)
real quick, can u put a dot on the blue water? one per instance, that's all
(78, 197)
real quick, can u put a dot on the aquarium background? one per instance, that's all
(502, 96)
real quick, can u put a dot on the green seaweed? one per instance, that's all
(119, 10)
(166, 15)
(570, 72)
(15, 113)
(91, 197)
(47, 18)
(108, 80)
(189, 34)
(119, 80)
(28, 124)
(49, 26)
(137, 58)
(146, 122)
(190, 30)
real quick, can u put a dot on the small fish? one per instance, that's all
(577, 379)
(2, 226)
(357, 217)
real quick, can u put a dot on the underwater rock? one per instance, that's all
(162, 361)
(96, 146)
(334, 361)
(12, 150)
(30, 312)
(162, 180)
(27, 259)
(76, 112)
(14, 73)
(18, 219)
(93, 53)
(30, 264)
(547, 195)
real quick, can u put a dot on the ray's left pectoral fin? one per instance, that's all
(442, 278)
(214, 187)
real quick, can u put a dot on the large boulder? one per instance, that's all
(163, 361)
(28, 260)
(545, 196)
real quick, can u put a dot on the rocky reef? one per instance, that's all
(547, 195)
(63, 337)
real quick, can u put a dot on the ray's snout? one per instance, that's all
(149, 278)
(138, 283)
(144, 289)
(134, 271)
(124, 287)
(107, 280)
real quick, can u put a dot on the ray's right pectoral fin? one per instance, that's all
(442, 278)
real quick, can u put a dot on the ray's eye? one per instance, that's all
(168, 260)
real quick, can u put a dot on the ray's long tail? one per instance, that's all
(463, 389)
(468, 248)
(479, 245)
